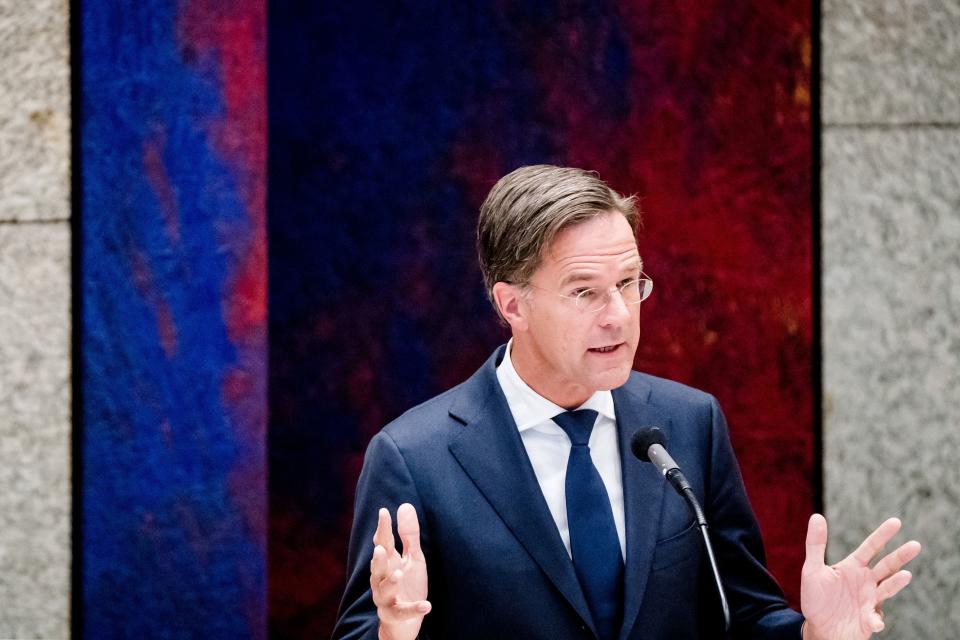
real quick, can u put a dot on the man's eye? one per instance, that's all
(629, 282)
(584, 294)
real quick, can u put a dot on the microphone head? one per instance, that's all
(642, 439)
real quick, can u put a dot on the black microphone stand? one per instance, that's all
(675, 477)
(647, 445)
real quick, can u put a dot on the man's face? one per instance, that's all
(566, 353)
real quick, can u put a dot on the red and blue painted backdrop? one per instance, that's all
(389, 122)
(172, 284)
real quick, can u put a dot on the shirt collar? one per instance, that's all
(529, 408)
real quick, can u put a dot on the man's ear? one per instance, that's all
(511, 307)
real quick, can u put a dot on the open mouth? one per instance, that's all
(607, 349)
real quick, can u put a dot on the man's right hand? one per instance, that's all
(399, 583)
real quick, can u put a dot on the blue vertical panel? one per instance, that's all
(173, 304)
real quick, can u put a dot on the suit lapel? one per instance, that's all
(491, 453)
(642, 494)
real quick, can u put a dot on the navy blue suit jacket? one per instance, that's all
(496, 564)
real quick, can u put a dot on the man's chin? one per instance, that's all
(611, 379)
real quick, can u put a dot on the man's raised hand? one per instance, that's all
(842, 601)
(399, 582)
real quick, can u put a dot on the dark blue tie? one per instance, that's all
(593, 535)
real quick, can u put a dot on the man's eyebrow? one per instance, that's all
(578, 276)
(589, 276)
(635, 267)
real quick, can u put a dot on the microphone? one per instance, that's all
(648, 445)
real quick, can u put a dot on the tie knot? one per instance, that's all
(578, 424)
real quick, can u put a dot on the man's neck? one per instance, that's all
(568, 396)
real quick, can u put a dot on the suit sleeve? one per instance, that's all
(757, 605)
(385, 481)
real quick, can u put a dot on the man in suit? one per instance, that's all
(521, 511)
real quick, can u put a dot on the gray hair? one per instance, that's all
(526, 210)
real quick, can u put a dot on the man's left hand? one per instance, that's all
(842, 601)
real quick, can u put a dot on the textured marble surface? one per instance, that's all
(34, 320)
(34, 110)
(891, 313)
(34, 430)
(888, 61)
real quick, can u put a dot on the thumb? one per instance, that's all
(816, 541)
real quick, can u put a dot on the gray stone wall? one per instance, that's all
(891, 290)
(34, 319)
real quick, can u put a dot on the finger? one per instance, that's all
(892, 585)
(384, 590)
(873, 618)
(400, 611)
(383, 536)
(409, 529)
(379, 565)
(875, 621)
(393, 578)
(816, 540)
(415, 608)
(875, 542)
(388, 591)
(895, 560)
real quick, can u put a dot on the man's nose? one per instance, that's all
(616, 311)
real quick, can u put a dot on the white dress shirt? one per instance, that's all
(548, 446)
